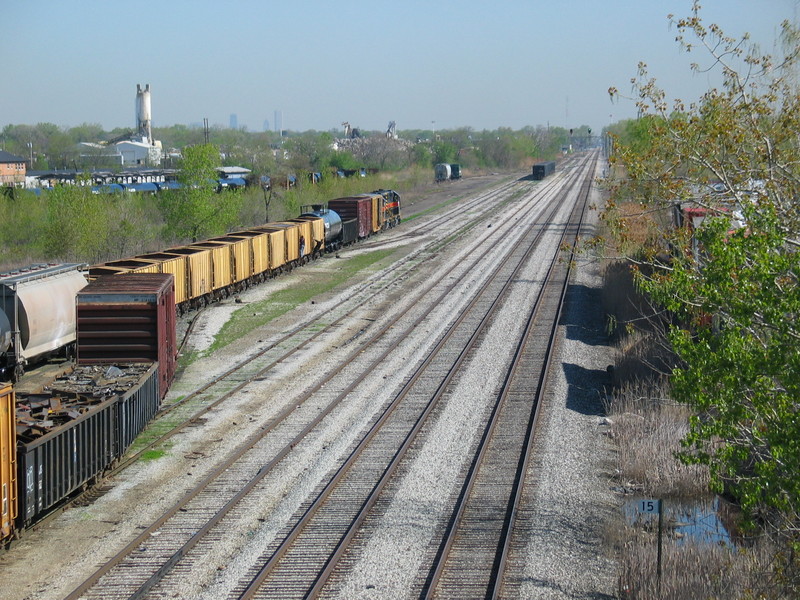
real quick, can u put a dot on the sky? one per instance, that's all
(425, 65)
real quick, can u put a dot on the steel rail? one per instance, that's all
(525, 459)
(452, 530)
(252, 440)
(252, 587)
(132, 457)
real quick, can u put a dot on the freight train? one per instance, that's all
(58, 440)
(130, 320)
(37, 302)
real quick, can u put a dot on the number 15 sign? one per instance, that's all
(649, 506)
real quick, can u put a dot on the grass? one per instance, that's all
(647, 428)
(691, 571)
(152, 455)
(258, 314)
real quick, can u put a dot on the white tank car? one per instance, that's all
(38, 306)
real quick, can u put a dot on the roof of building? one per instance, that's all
(233, 171)
(7, 157)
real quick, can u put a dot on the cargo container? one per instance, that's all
(222, 275)
(64, 460)
(199, 270)
(349, 231)
(8, 461)
(277, 246)
(177, 267)
(543, 169)
(129, 318)
(376, 211)
(241, 255)
(292, 234)
(37, 313)
(355, 207)
(259, 250)
(316, 231)
(306, 238)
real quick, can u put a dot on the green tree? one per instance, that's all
(79, 224)
(310, 150)
(444, 152)
(196, 210)
(734, 286)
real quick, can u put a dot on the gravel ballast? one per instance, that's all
(565, 512)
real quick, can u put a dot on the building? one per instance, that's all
(140, 153)
(12, 170)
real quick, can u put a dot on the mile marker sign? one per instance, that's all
(649, 506)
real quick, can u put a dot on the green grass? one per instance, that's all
(257, 314)
(433, 209)
(152, 455)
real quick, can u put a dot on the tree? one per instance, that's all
(79, 224)
(733, 286)
(197, 210)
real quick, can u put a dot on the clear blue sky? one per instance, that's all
(508, 63)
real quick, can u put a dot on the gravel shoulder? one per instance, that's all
(569, 511)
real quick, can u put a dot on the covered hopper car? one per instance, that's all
(37, 314)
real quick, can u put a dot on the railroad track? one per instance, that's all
(208, 498)
(178, 414)
(301, 564)
(471, 559)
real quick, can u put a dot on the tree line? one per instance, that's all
(47, 146)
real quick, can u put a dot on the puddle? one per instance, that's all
(699, 522)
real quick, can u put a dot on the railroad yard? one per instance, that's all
(373, 442)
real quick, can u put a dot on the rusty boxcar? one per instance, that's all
(129, 318)
(355, 207)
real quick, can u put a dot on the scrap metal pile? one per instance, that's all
(71, 396)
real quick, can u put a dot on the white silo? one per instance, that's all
(143, 113)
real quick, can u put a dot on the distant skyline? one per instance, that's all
(313, 65)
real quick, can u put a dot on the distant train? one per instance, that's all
(446, 172)
(543, 169)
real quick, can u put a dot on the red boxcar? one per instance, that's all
(129, 318)
(355, 207)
